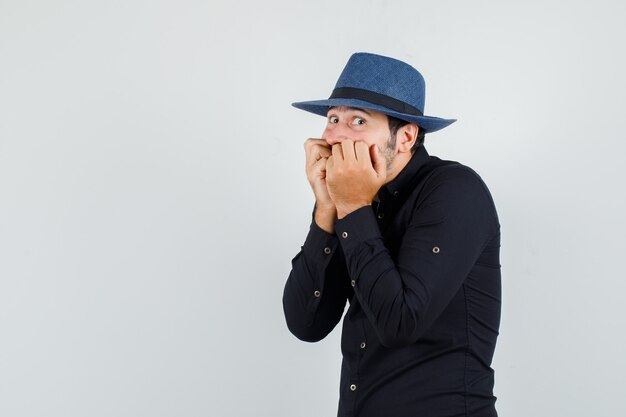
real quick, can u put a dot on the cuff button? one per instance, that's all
(327, 251)
(436, 249)
(317, 293)
(344, 235)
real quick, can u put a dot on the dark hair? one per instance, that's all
(395, 125)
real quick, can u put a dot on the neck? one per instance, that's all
(397, 165)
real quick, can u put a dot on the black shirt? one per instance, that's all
(422, 274)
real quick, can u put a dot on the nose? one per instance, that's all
(337, 134)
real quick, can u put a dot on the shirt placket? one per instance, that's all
(357, 347)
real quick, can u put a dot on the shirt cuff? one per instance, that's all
(357, 227)
(319, 245)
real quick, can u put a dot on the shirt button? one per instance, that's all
(436, 249)
(327, 251)
(344, 235)
(381, 216)
(317, 293)
(352, 387)
(362, 345)
(353, 283)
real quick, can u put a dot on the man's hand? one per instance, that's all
(317, 153)
(354, 174)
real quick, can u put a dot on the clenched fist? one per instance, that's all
(317, 154)
(354, 174)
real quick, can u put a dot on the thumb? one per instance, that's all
(378, 162)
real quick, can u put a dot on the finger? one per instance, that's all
(320, 166)
(362, 153)
(378, 162)
(347, 147)
(311, 143)
(317, 155)
(337, 151)
(308, 144)
(322, 151)
(329, 163)
(314, 141)
(316, 152)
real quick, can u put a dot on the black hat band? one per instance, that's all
(376, 98)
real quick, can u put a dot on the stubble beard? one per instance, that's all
(389, 151)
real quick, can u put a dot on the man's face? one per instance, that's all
(368, 126)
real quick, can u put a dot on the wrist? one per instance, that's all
(344, 210)
(325, 207)
(325, 217)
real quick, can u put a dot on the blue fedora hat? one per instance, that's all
(383, 84)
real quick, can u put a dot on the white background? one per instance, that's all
(152, 195)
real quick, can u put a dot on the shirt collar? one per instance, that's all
(398, 185)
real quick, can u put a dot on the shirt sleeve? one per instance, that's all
(447, 232)
(317, 288)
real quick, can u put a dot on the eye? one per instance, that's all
(333, 119)
(358, 121)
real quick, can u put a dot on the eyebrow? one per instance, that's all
(353, 108)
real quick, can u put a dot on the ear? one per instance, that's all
(406, 137)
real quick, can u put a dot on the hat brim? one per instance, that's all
(320, 107)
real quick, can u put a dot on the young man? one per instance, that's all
(410, 240)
